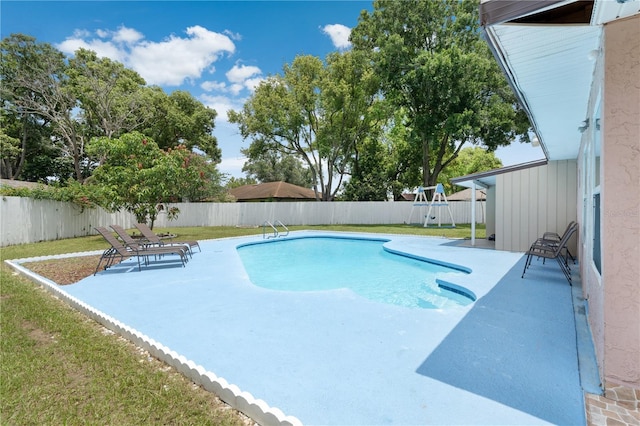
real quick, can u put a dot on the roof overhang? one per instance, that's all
(548, 51)
(488, 179)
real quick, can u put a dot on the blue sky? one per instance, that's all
(217, 50)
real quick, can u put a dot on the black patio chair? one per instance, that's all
(558, 250)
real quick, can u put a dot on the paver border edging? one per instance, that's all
(256, 409)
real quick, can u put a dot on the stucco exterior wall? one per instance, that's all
(589, 173)
(620, 195)
(533, 201)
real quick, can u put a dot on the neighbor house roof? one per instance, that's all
(465, 195)
(272, 191)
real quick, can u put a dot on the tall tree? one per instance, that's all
(470, 160)
(61, 104)
(317, 112)
(434, 65)
(272, 166)
(370, 176)
(180, 119)
(110, 96)
(35, 91)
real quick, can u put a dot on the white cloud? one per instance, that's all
(222, 104)
(103, 49)
(339, 35)
(168, 62)
(176, 59)
(209, 86)
(127, 35)
(252, 83)
(232, 166)
(238, 74)
(236, 88)
(232, 35)
(243, 77)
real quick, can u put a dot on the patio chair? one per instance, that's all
(553, 238)
(120, 251)
(541, 248)
(152, 238)
(143, 244)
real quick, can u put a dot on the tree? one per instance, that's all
(370, 177)
(234, 182)
(470, 160)
(272, 166)
(52, 107)
(35, 93)
(110, 96)
(433, 64)
(180, 119)
(316, 112)
(11, 147)
(142, 178)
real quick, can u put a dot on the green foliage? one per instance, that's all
(272, 166)
(53, 106)
(318, 112)
(137, 175)
(72, 192)
(180, 119)
(434, 66)
(37, 108)
(109, 94)
(470, 160)
(370, 177)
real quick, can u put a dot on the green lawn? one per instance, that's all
(58, 367)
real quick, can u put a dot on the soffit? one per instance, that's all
(550, 67)
(607, 11)
(550, 60)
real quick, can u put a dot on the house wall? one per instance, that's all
(589, 177)
(532, 201)
(620, 208)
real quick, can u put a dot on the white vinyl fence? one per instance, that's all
(25, 220)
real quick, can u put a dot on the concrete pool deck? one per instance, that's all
(515, 356)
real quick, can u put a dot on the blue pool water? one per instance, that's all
(362, 265)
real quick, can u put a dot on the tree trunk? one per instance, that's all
(23, 154)
(426, 170)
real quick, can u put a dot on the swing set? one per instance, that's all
(438, 201)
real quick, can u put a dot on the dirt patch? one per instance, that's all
(39, 336)
(67, 270)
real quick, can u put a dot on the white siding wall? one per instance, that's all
(24, 220)
(533, 201)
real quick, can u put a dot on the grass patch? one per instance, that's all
(59, 367)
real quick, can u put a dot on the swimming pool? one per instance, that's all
(359, 264)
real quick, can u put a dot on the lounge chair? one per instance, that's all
(120, 251)
(541, 248)
(144, 244)
(152, 238)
